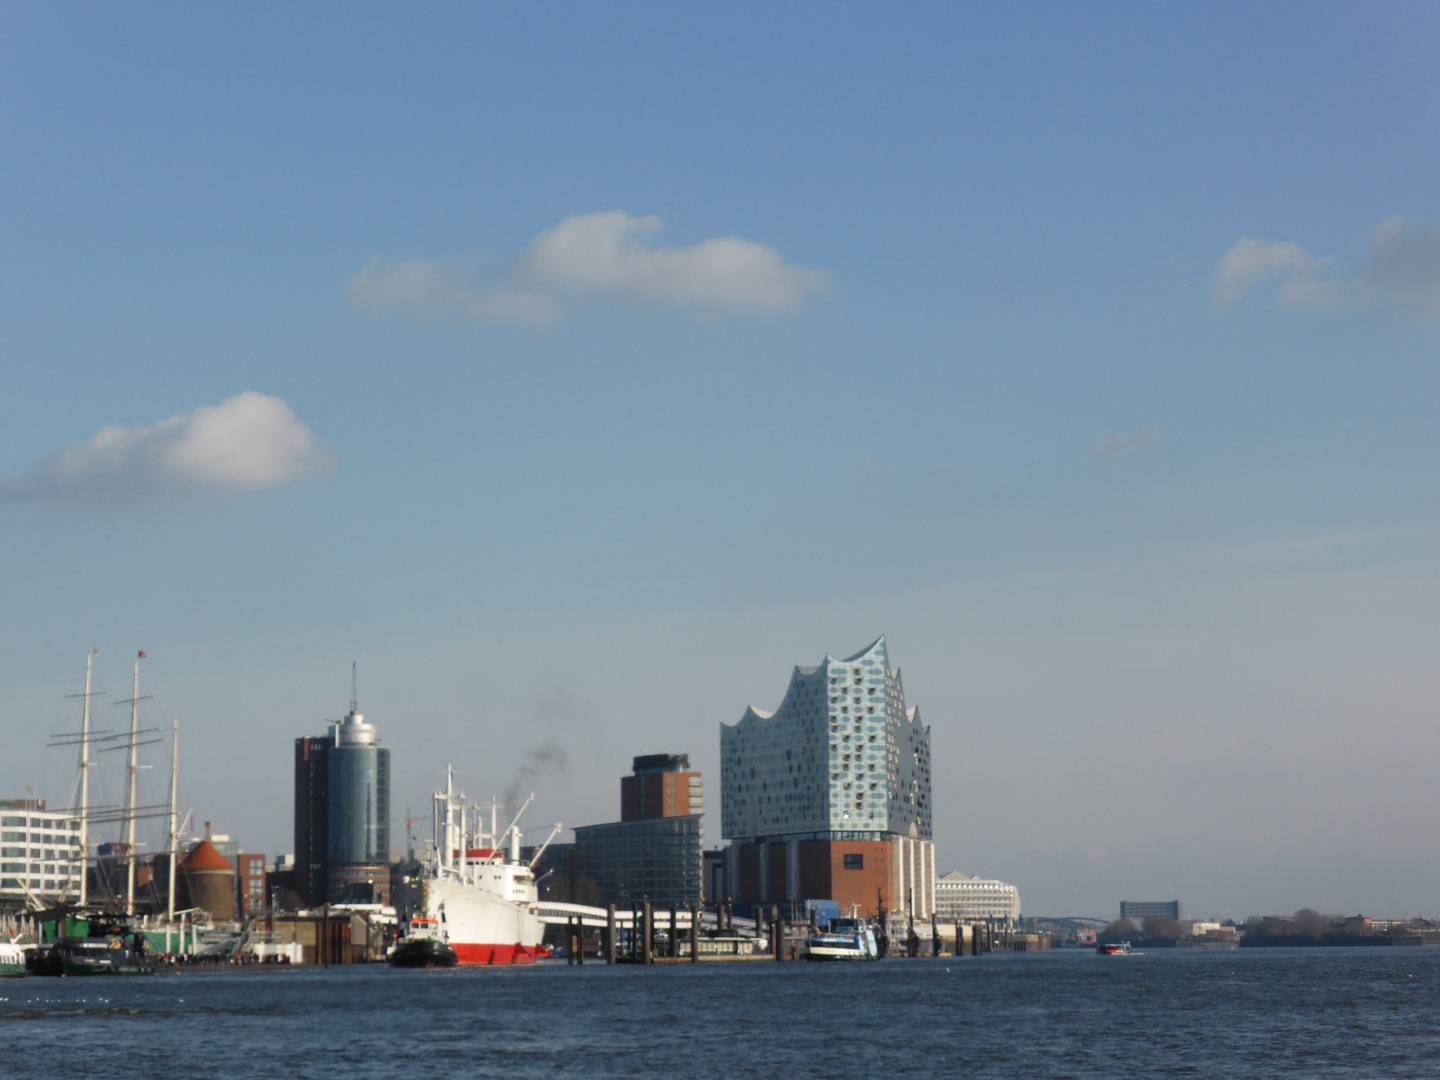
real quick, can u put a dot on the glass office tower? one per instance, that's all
(342, 815)
(358, 812)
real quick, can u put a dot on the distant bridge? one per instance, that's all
(1069, 922)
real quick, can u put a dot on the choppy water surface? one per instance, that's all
(1256, 1013)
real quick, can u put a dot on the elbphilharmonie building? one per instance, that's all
(828, 797)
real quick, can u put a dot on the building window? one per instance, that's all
(854, 862)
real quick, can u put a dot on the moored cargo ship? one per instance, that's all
(477, 899)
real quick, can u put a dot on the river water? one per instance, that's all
(1070, 1013)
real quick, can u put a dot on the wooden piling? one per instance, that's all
(610, 934)
(647, 940)
(694, 933)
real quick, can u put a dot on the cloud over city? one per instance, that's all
(249, 441)
(605, 256)
(1402, 267)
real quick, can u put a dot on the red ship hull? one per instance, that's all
(474, 955)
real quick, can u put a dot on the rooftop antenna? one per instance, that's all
(354, 701)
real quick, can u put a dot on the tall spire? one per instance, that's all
(354, 699)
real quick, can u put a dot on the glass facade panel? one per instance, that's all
(841, 753)
(658, 859)
(358, 809)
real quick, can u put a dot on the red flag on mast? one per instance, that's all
(142, 654)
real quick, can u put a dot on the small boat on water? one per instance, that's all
(1113, 948)
(846, 939)
(422, 946)
(12, 961)
(109, 945)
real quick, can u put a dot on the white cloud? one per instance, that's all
(594, 256)
(249, 441)
(1128, 443)
(1250, 260)
(1404, 264)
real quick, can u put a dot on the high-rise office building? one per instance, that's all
(653, 852)
(342, 814)
(828, 797)
(312, 808)
(660, 786)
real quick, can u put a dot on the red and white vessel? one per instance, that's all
(483, 904)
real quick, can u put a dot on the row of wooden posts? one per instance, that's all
(642, 948)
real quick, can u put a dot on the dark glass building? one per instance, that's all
(342, 815)
(657, 860)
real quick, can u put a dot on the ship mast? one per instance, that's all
(130, 798)
(174, 831)
(85, 787)
(494, 841)
(133, 772)
(83, 739)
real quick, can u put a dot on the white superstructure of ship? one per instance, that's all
(483, 899)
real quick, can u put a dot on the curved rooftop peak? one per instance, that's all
(878, 643)
(805, 671)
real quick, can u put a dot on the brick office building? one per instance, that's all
(653, 852)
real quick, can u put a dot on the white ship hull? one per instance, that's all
(481, 927)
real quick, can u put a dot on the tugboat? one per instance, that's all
(422, 946)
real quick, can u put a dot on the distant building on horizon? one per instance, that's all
(342, 814)
(654, 851)
(963, 899)
(828, 797)
(1137, 910)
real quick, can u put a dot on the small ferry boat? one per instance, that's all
(109, 945)
(1113, 948)
(846, 939)
(12, 961)
(422, 946)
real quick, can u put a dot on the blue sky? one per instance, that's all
(577, 371)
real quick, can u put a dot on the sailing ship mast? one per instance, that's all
(83, 739)
(85, 787)
(134, 769)
(174, 831)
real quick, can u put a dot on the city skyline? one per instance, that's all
(576, 372)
